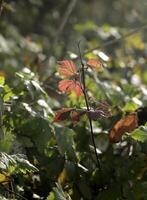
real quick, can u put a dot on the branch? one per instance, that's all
(1, 6)
(123, 37)
(88, 108)
(8, 190)
(65, 18)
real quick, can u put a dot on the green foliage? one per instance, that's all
(45, 160)
(140, 134)
(16, 164)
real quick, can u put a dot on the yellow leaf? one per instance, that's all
(3, 178)
(135, 41)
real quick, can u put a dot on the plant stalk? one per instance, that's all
(1, 6)
(88, 109)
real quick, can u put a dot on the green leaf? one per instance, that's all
(6, 142)
(140, 134)
(85, 189)
(39, 131)
(37, 86)
(64, 137)
(2, 81)
(16, 163)
(130, 106)
(59, 194)
(8, 93)
(23, 165)
(3, 198)
(102, 142)
(51, 196)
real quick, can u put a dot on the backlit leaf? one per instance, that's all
(95, 64)
(3, 178)
(140, 134)
(2, 80)
(67, 68)
(70, 85)
(127, 124)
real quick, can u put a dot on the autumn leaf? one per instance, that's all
(70, 85)
(4, 178)
(95, 64)
(62, 114)
(67, 68)
(127, 124)
(69, 114)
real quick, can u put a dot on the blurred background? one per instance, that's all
(34, 35)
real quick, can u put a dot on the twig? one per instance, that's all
(8, 190)
(123, 37)
(88, 109)
(65, 18)
(1, 6)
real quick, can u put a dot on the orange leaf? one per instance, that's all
(127, 124)
(95, 63)
(77, 89)
(70, 85)
(69, 114)
(67, 68)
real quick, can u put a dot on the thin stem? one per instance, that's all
(8, 190)
(88, 109)
(1, 6)
(65, 19)
(123, 37)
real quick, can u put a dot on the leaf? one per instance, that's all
(6, 142)
(96, 114)
(8, 93)
(127, 124)
(37, 86)
(130, 106)
(24, 165)
(75, 116)
(59, 194)
(65, 142)
(16, 163)
(69, 114)
(62, 114)
(40, 130)
(135, 41)
(70, 85)
(3, 178)
(95, 64)
(5, 161)
(140, 134)
(102, 142)
(67, 68)
(85, 189)
(2, 81)
(51, 196)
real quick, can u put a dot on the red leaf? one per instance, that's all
(127, 124)
(67, 68)
(69, 114)
(62, 114)
(70, 85)
(77, 89)
(95, 63)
